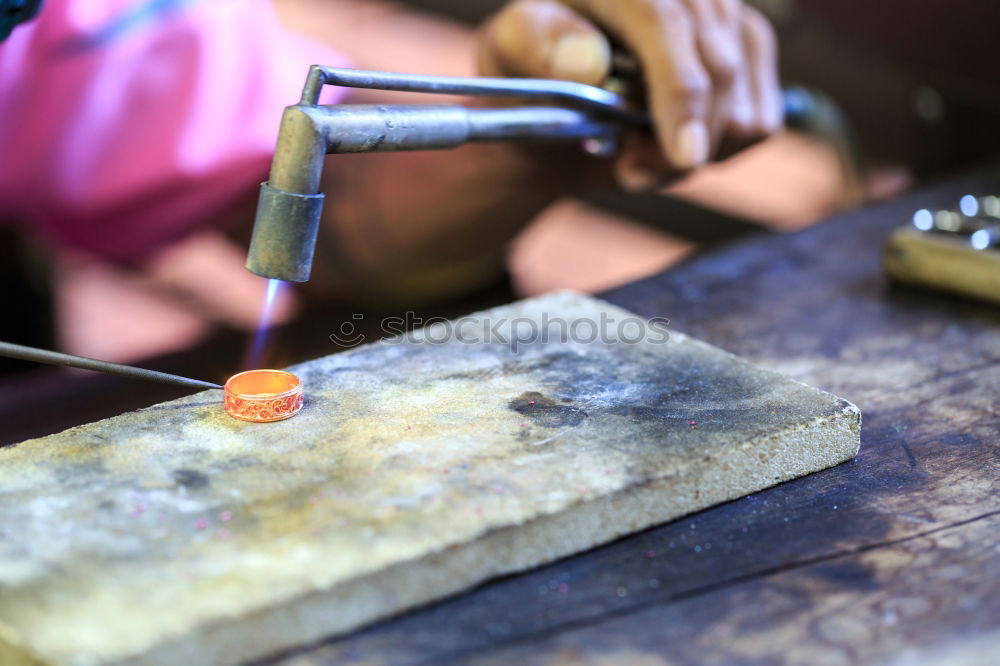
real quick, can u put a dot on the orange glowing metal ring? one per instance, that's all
(263, 396)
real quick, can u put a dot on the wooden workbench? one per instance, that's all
(891, 558)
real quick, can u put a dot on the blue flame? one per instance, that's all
(272, 292)
(274, 287)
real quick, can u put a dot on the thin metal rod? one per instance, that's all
(11, 350)
(796, 102)
(576, 95)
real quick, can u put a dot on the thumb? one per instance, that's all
(543, 39)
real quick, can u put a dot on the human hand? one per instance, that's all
(709, 68)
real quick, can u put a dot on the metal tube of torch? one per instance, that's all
(290, 204)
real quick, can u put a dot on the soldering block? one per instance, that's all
(419, 467)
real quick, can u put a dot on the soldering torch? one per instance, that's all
(290, 203)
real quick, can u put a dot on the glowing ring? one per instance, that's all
(262, 396)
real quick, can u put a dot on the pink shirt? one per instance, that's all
(121, 146)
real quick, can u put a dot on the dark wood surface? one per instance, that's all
(893, 557)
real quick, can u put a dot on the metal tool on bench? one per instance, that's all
(288, 211)
(48, 357)
(956, 250)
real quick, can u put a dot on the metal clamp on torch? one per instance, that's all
(290, 204)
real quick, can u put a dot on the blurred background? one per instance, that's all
(914, 97)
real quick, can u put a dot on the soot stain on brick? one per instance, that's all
(545, 412)
(525, 435)
(190, 479)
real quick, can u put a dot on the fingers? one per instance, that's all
(546, 39)
(761, 50)
(719, 40)
(662, 34)
(679, 85)
(709, 67)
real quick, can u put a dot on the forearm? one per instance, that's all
(416, 226)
